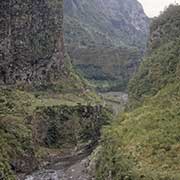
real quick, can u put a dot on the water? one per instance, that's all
(46, 175)
(75, 167)
(65, 168)
(76, 171)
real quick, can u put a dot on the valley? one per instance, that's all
(106, 40)
(89, 90)
(78, 165)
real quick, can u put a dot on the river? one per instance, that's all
(69, 167)
(75, 167)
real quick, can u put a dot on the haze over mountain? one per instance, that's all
(91, 26)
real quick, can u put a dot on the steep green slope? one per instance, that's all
(156, 71)
(144, 142)
(162, 66)
(34, 123)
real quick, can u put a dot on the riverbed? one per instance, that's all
(116, 100)
(69, 167)
(75, 167)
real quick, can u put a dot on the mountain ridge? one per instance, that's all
(113, 18)
(91, 26)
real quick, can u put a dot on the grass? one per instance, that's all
(18, 120)
(146, 141)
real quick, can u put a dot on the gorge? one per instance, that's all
(89, 90)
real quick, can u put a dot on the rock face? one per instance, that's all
(115, 21)
(162, 66)
(92, 27)
(31, 40)
(61, 125)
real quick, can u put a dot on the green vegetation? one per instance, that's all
(33, 120)
(44, 104)
(106, 40)
(144, 142)
(15, 134)
(109, 85)
(156, 71)
(62, 125)
(114, 66)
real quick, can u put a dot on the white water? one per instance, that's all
(67, 168)
(45, 175)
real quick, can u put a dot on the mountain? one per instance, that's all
(113, 22)
(143, 143)
(93, 27)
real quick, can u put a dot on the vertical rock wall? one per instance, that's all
(31, 40)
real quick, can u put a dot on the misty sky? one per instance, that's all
(154, 7)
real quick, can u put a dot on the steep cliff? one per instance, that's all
(92, 27)
(31, 41)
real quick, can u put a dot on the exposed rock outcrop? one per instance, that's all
(64, 125)
(31, 40)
